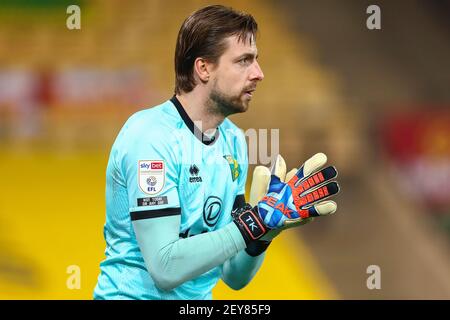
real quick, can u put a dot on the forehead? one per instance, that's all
(236, 46)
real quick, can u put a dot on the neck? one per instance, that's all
(199, 109)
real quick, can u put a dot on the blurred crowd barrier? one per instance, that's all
(417, 145)
(68, 107)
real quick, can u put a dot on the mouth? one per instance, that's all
(249, 93)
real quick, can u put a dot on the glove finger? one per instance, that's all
(316, 179)
(278, 172)
(279, 168)
(322, 208)
(290, 174)
(308, 170)
(260, 183)
(311, 165)
(326, 191)
(314, 163)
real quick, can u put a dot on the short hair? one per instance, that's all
(202, 34)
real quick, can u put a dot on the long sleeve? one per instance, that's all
(171, 260)
(239, 270)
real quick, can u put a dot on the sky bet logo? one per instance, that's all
(157, 165)
(152, 166)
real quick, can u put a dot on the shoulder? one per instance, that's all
(149, 132)
(154, 120)
(152, 125)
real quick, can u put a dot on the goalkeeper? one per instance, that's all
(176, 217)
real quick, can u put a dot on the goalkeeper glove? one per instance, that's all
(260, 185)
(258, 189)
(289, 204)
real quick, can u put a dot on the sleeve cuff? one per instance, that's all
(236, 235)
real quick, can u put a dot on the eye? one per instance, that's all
(244, 61)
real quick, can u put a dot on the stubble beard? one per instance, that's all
(226, 105)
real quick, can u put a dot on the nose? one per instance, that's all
(257, 73)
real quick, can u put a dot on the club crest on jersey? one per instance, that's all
(152, 174)
(234, 166)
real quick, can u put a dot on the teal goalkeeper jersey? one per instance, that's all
(161, 165)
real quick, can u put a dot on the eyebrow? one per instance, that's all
(247, 55)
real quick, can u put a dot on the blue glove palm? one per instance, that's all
(301, 197)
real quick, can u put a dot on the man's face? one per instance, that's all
(235, 76)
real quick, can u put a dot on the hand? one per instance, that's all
(259, 188)
(287, 204)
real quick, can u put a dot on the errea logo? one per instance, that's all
(194, 171)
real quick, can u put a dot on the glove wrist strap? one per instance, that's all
(255, 248)
(249, 223)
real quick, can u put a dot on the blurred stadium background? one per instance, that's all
(376, 101)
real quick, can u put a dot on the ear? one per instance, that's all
(201, 68)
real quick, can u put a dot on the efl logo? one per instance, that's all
(157, 165)
(151, 176)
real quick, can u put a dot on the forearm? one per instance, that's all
(172, 261)
(239, 270)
